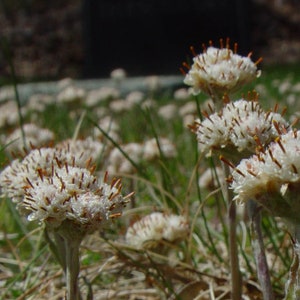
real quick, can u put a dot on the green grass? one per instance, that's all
(167, 184)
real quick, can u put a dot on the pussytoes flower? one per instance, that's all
(81, 149)
(118, 163)
(153, 149)
(118, 74)
(52, 191)
(272, 177)
(217, 71)
(242, 125)
(74, 195)
(156, 228)
(16, 175)
(35, 136)
(71, 94)
(97, 96)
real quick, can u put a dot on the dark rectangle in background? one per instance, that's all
(153, 36)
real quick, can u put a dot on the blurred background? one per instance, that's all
(48, 40)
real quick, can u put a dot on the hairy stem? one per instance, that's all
(236, 280)
(72, 269)
(292, 288)
(259, 250)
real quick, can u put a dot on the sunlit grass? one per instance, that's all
(28, 271)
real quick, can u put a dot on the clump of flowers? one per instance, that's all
(35, 136)
(118, 163)
(69, 200)
(11, 115)
(118, 74)
(46, 174)
(71, 94)
(242, 124)
(153, 149)
(15, 176)
(219, 71)
(82, 149)
(73, 195)
(211, 178)
(39, 102)
(154, 229)
(110, 127)
(272, 177)
(97, 96)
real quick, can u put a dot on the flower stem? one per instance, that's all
(259, 250)
(72, 238)
(72, 269)
(236, 280)
(292, 288)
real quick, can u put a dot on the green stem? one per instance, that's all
(57, 247)
(236, 279)
(259, 251)
(71, 236)
(292, 288)
(72, 269)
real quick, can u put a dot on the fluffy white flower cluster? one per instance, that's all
(153, 151)
(95, 97)
(242, 124)
(11, 115)
(35, 136)
(219, 71)
(15, 177)
(82, 149)
(155, 228)
(137, 152)
(49, 186)
(73, 194)
(71, 94)
(272, 177)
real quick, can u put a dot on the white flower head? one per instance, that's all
(135, 97)
(38, 102)
(71, 94)
(6, 93)
(211, 133)
(118, 163)
(102, 94)
(188, 108)
(242, 124)
(64, 83)
(220, 70)
(35, 136)
(272, 177)
(11, 115)
(155, 228)
(94, 208)
(48, 187)
(181, 94)
(81, 150)
(152, 82)
(73, 194)
(118, 74)
(15, 177)
(168, 111)
(249, 123)
(45, 201)
(110, 126)
(120, 105)
(211, 178)
(153, 149)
